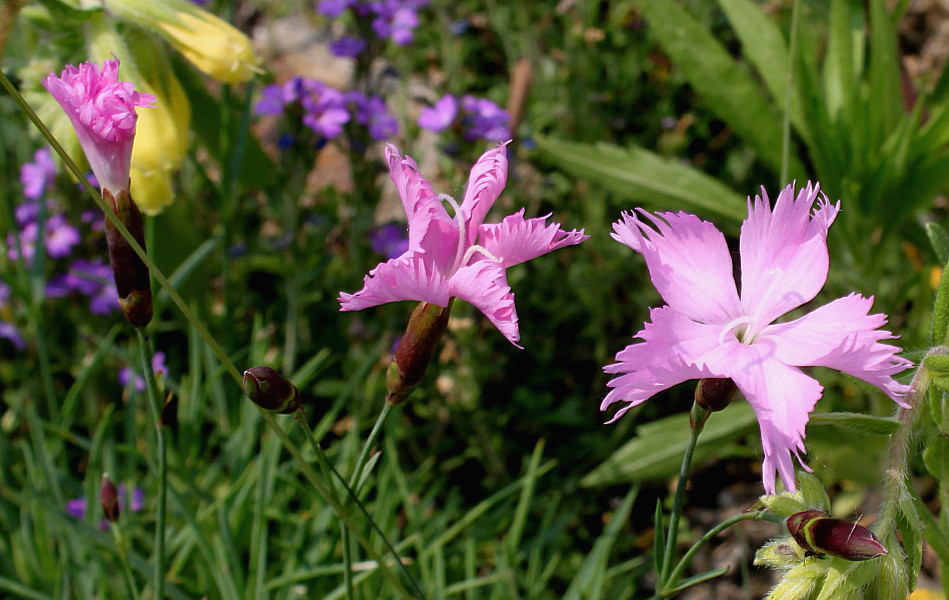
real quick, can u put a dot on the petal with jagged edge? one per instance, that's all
(688, 261)
(485, 183)
(842, 335)
(484, 284)
(409, 277)
(783, 398)
(784, 257)
(516, 239)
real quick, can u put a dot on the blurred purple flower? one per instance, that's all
(396, 19)
(92, 179)
(158, 368)
(60, 237)
(271, 101)
(325, 112)
(89, 278)
(373, 113)
(390, 240)
(441, 115)
(347, 47)
(8, 331)
(4, 293)
(76, 507)
(333, 8)
(27, 243)
(26, 212)
(94, 219)
(485, 120)
(37, 175)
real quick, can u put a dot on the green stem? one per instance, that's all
(894, 483)
(155, 408)
(699, 417)
(122, 547)
(684, 562)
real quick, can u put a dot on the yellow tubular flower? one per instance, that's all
(160, 146)
(211, 44)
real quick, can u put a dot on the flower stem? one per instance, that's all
(122, 546)
(699, 417)
(155, 407)
(687, 558)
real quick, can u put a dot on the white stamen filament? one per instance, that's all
(744, 328)
(476, 249)
(460, 253)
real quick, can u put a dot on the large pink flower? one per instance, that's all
(102, 110)
(459, 256)
(709, 330)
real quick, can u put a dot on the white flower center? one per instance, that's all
(744, 328)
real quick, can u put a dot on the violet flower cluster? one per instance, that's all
(394, 20)
(326, 110)
(476, 118)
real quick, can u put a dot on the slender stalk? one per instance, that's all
(122, 546)
(699, 417)
(710, 535)
(330, 474)
(155, 407)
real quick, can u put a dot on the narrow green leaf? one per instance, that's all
(696, 579)
(728, 90)
(939, 240)
(657, 449)
(910, 528)
(646, 177)
(659, 538)
(933, 531)
(856, 422)
(764, 46)
(940, 323)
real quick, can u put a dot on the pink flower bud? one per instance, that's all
(819, 534)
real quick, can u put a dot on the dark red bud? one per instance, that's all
(819, 534)
(271, 391)
(715, 394)
(414, 353)
(109, 499)
(131, 274)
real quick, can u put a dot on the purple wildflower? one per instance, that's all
(441, 115)
(8, 331)
(37, 175)
(158, 368)
(271, 101)
(60, 237)
(326, 112)
(347, 47)
(396, 20)
(372, 112)
(390, 240)
(333, 8)
(485, 120)
(92, 279)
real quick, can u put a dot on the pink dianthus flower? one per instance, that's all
(102, 111)
(460, 256)
(708, 330)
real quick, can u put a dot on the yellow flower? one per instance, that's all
(211, 44)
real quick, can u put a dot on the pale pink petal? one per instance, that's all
(484, 284)
(516, 239)
(688, 261)
(782, 397)
(430, 227)
(784, 252)
(842, 335)
(674, 349)
(409, 277)
(485, 183)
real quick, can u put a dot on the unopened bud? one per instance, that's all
(109, 499)
(715, 394)
(131, 274)
(271, 391)
(819, 534)
(426, 326)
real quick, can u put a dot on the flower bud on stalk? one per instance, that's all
(819, 534)
(271, 391)
(131, 274)
(426, 326)
(109, 499)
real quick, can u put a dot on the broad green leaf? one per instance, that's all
(855, 422)
(657, 449)
(729, 90)
(643, 176)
